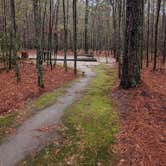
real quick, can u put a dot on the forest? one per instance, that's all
(82, 82)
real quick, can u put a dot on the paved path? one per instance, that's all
(27, 138)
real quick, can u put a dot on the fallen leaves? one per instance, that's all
(14, 95)
(71, 159)
(141, 140)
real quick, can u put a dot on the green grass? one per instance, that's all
(47, 99)
(90, 127)
(5, 123)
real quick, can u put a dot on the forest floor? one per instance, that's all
(88, 130)
(19, 100)
(37, 131)
(83, 137)
(142, 138)
(13, 95)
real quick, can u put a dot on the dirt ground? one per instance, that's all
(142, 138)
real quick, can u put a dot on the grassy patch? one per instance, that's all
(90, 126)
(47, 99)
(6, 123)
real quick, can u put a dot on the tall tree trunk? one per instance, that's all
(113, 4)
(50, 35)
(164, 45)
(131, 69)
(43, 35)
(164, 33)
(65, 36)
(119, 35)
(37, 20)
(147, 42)
(141, 36)
(156, 34)
(56, 31)
(14, 39)
(123, 23)
(86, 26)
(163, 20)
(152, 29)
(67, 23)
(5, 41)
(75, 34)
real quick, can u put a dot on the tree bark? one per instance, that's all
(50, 35)
(56, 31)
(147, 42)
(65, 35)
(86, 26)
(114, 27)
(164, 45)
(14, 39)
(75, 34)
(131, 67)
(37, 20)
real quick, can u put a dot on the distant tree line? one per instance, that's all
(92, 25)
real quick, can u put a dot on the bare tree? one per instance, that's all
(147, 42)
(65, 35)
(37, 20)
(75, 34)
(86, 26)
(156, 34)
(14, 38)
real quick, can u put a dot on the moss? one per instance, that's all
(91, 127)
